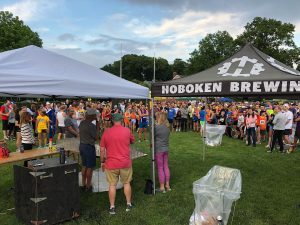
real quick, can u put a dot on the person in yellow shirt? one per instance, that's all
(42, 127)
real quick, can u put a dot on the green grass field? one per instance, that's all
(270, 187)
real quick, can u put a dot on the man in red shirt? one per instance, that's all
(115, 158)
(5, 111)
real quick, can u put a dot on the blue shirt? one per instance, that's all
(171, 113)
(228, 113)
(202, 115)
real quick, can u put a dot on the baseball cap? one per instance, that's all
(286, 105)
(90, 112)
(47, 103)
(117, 117)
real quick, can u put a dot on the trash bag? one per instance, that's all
(99, 181)
(148, 187)
(214, 195)
(214, 134)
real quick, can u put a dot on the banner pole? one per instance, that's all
(152, 146)
(204, 133)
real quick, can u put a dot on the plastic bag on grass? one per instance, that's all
(99, 182)
(214, 194)
(214, 134)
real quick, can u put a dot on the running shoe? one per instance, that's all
(112, 210)
(129, 207)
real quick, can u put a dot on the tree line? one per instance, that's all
(271, 36)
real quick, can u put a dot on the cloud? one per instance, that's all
(65, 46)
(297, 27)
(42, 29)
(178, 36)
(190, 24)
(66, 37)
(28, 10)
(95, 57)
(128, 45)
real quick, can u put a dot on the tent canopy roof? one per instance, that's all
(35, 72)
(247, 69)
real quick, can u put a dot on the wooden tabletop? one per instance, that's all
(27, 155)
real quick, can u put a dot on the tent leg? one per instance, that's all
(152, 146)
(204, 135)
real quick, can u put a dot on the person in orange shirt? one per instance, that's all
(208, 115)
(133, 119)
(263, 125)
(106, 116)
(258, 137)
(127, 118)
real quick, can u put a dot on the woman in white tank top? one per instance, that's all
(60, 120)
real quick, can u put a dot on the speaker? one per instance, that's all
(46, 192)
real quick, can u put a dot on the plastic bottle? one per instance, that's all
(62, 156)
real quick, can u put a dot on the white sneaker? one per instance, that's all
(267, 146)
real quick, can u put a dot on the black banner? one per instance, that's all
(227, 88)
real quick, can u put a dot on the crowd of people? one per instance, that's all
(253, 122)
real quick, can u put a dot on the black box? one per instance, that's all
(46, 192)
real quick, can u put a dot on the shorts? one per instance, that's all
(202, 123)
(43, 131)
(287, 132)
(51, 132)
(133, 121)
(235, 122)
(263, 132)
(170, 120)
(88, 155)
(112, 176)
(5, 125)
(143, 125)
(27, 146)
(61, 130)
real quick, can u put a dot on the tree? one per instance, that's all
(140, 68)
(15, 34)
(179, 66)
(212, 49)
(163, 70)
(272, 37)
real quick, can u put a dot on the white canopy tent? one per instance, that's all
(35, 72)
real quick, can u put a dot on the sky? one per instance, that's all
(98, 32)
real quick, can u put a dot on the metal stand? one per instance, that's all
(152, 124)
(204, 135)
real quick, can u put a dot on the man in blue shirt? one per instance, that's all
(171, 115)
(202, 120)
(52, 117)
